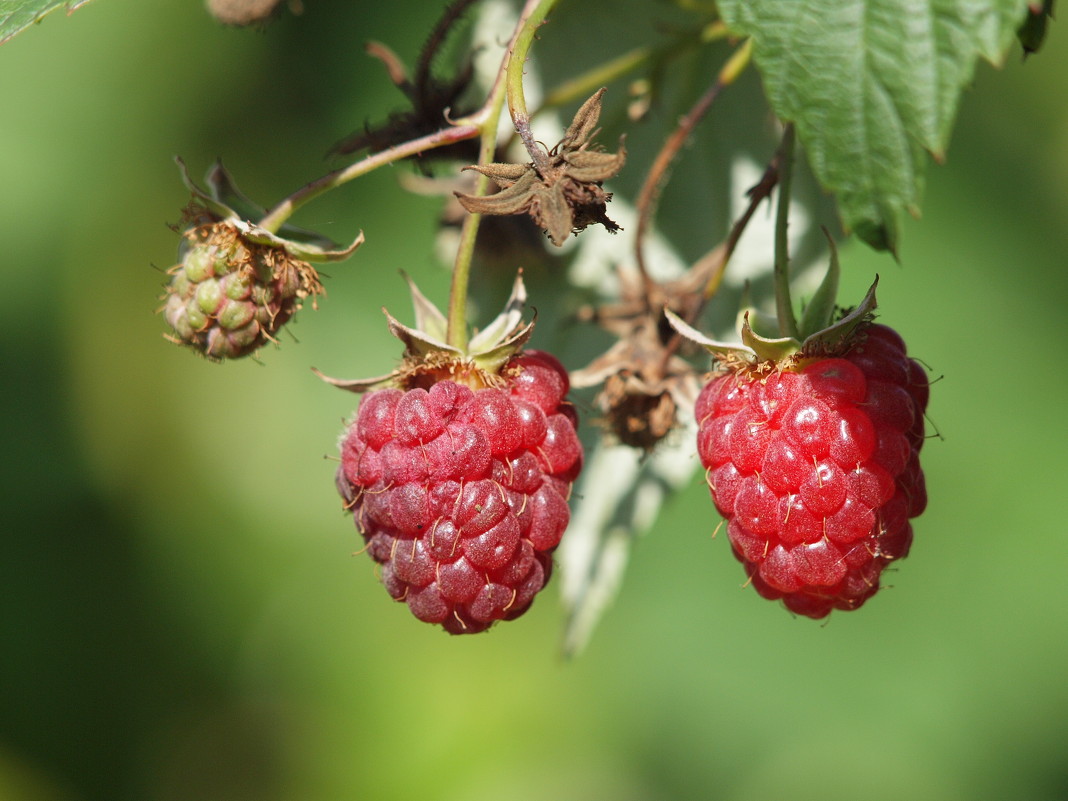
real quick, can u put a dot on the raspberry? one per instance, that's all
(815, 467)
(229, 296)
(460, 488)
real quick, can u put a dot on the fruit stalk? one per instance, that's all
(783, 303)
(517, 103)
(510, 75)
(278, 215)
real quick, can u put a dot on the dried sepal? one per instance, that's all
(515, 198)
(713, 346)
(594, 165)
(428, 317)
(504, 175)
(358, 385)
(417, 343)
(505, 323)
(584, 124)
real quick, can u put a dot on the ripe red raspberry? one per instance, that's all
(460, 489)
(814, 464)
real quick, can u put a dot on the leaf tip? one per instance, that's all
(879, 236)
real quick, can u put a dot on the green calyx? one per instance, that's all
(226, 203)
(429, 358)
(824, 328)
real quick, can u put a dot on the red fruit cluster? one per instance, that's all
(461, 493)
(815, 468)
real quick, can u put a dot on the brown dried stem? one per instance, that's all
(714, 263)
(658, 172)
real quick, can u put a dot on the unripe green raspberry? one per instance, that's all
(229, 296)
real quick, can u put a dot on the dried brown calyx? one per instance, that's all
(561, 191)
(433, 98)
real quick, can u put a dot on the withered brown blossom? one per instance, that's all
(647, 387)
(434, 100)
(561, 192)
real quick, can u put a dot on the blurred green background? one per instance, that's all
(180, 616)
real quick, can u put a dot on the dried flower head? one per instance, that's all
(434, 99)
(646, 386)
(561, 192)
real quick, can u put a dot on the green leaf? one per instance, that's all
(17, 15)
(713, 346)
(872, 86)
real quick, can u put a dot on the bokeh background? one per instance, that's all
(180, 614)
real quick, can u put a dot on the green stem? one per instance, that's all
(456, 331)
(508, 78)
(278, 215)
(517, 102)
(783, 303)
(583, 85)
